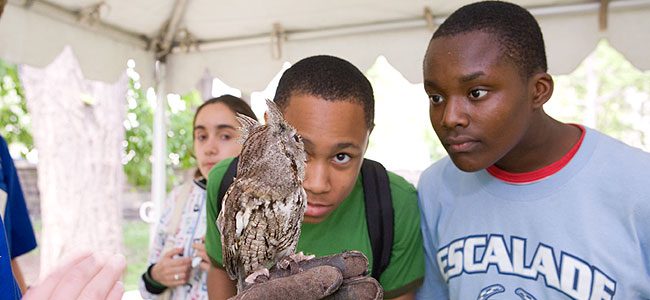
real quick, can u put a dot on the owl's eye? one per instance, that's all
(297, 138)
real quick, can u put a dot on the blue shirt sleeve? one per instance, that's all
(8, 287)
(18, 227)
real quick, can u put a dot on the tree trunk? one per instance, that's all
(78, 132)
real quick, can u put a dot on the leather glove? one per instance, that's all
(339, 276)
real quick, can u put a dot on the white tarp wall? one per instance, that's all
(27, 36)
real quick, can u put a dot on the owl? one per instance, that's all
(263, 209)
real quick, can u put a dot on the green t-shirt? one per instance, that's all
(346, 229)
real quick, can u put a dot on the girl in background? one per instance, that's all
(178, 262)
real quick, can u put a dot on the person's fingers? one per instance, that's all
(172, 252)
(171, 276)
(116, 292)
(202, 254)
(184, 279)
(205, 266)
(102, 284)
(165, 268)
(177, 279)
(43, 290)
(178, 274)
(179, 269)
(74, 280)
(198, 246)
(179, 262)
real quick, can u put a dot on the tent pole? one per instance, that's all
(158, 176)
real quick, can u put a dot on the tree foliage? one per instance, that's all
(14, 119)
(138, 143)
(608, 93)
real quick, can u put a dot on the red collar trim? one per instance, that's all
(530, 177)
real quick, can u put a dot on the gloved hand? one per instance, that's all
(339, 276)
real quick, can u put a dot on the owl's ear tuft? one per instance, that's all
(247, 125)
(275, 118)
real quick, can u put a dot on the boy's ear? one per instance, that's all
(541, 88)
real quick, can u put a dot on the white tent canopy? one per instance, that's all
(246, 42)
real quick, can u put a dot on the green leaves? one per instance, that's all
(14, 119)
(139, 133)
(606, 92)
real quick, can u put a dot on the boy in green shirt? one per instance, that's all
(331, 105)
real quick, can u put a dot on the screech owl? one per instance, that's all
(263, 209)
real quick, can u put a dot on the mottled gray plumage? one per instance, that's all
(263, 209)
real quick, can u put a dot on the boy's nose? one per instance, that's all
(316, 178)
(455, 114)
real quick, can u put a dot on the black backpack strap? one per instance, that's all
(379, 214)
(226, 181)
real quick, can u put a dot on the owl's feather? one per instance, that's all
(247, 125)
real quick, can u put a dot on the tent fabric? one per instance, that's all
(569, 39)
(234, 37)
(32, 39)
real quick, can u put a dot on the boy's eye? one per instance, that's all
(436, 99)
(225, 137)
(201, 137)
(477, 93)
(342, 158)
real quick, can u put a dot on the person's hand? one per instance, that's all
(199, 249)
(83, 276)
(172, 271)
(339, 276)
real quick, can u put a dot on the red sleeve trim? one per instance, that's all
(537, 175)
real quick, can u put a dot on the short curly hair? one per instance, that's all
(515, 27)
(330, 78)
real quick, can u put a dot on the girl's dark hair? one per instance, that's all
(235, 104)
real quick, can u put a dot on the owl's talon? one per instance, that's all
(258, 276)
(300, 256)
(291, 261)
